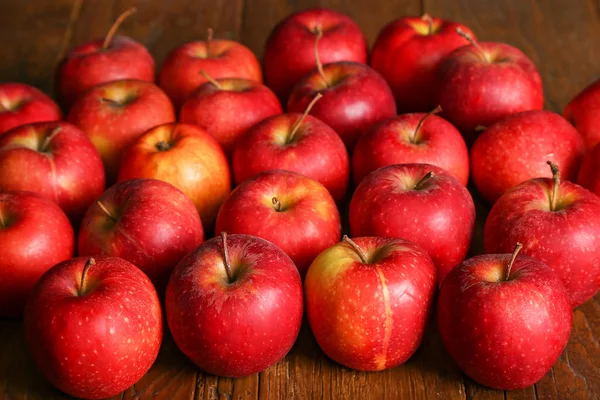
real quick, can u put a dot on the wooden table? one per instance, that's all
(561, 36)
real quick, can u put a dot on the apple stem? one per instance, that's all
(276, 203)
(87, 266)
(209, 37)
(115, 26)
(226, 257)
(49, 138)
(319, 35)
(356, 248)
(518, 248)
(555, 186)
(302, 117)
(436, 110)
(423, 180)
(211, 79)
(2, 223)
(105, 210)
(426, 17)
(163, 146)
(480, 128)
(473, 42)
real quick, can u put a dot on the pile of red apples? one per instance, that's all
(105, 203)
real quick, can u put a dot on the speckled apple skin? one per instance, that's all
(395, 141)
(567, 240)
(584, 112)
(35, 234)
(316, 151)
(96, 345)
(156, 226)
(474, 92)
(23, 104)
(370, 317)
(507, 334)
(407, 56)
(308, 224)
(517, 149)
(440, 217)
(69, 171)
(589, 173)
(240, 328)
(357, 99)
(290, 48)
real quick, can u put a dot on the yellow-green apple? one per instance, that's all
(234, 305)
(298, 143)
(504, 318)
(103, 60)
(290, 48)
(114, 114)
(417, 202)
(22, 104)
(34, 235)
(54, 159)
(147, 222)
(412, 138)
(558, 224)
(583, 112)
(482, 83)
(589, 173)
(227, 107)
(368, 299)
(181, 72)
(93, 326)
(407, 53)
(187, 157)
(516, 149)
(292, 211)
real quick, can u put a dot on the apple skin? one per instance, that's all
(396, 141)
(67, 169)
(89, 65)
(229, 111)
(114, 114)
(439, 216)
(372, 316)
(240, 328)
(357, 98)
(192, 161)
(589, 173)
(181, 74)
(315, 151)
(505, 334)
(517, 148)
(152, 225)
(34, 235)
(22, 104)
(307, 223)
(583, 112)
(476, 92)
(406, 54)
(567, 240)
(290, 49)
(96, 344)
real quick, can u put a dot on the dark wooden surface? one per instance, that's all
(561, 36)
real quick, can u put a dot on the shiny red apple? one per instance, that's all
(589, 173)
(22, 104)
(583, 112)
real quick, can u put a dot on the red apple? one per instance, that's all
(298, 143)
(93, 326)
(290, 210)
(54, 159)
(186, 157)
(482, 83)
(34, 235)
(516, 149)
(234, 305)
(114, 114)
(181, 72)
(227, 107)
(589, 173)
(412, 138)
(407, 53)
(558, 224)
(355, 97)
(504, 319)
(22, 104)
(368, 300)
(583, 112)
(147, 222)
(112, 58)
(417, 202)
(290, 49)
